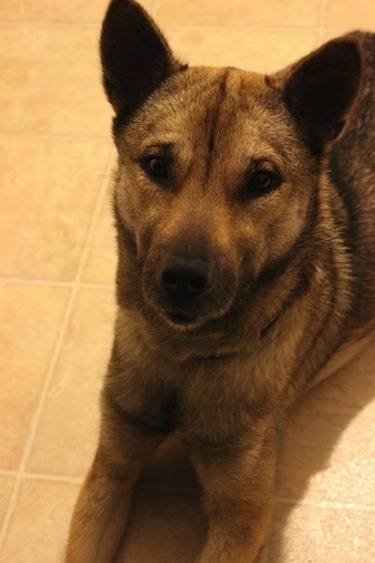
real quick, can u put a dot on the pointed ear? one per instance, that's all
(320, 89)
(135, 56)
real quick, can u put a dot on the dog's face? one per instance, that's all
(209, 188)
(218, 172)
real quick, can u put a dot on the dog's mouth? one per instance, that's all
(181, 320)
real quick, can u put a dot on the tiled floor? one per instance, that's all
(56, 294)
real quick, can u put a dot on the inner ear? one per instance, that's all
(136, 57)
(320, 89)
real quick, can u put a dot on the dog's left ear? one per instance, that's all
(320, 89)
(136, 58)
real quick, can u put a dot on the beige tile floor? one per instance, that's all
(56, 295)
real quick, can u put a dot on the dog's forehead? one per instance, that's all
(214, 107)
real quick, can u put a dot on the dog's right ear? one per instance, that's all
(320, 89)
(135, 56)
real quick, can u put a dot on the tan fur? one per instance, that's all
(230, 300)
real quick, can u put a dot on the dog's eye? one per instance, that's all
(262, 183)
(156, 167)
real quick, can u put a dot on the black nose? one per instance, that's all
(185, 279)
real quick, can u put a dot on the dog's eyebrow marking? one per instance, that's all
(213, 119)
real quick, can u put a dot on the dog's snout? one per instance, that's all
(189, 279)
(185, 279)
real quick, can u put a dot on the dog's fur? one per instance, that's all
(244, 207)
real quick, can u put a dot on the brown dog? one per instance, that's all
(244, 207)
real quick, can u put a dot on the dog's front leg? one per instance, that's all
(102, 509)
(238, 489)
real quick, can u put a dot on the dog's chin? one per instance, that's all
(183, 319)
(183, 322)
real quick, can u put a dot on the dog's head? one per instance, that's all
(218, 170)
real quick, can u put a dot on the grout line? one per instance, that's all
(55, 355)
(330, 504)
(56, 136)
(53, 283)
(99, 286)
(176, 27)
(36, 417)
(322, 21)
(155, 9)
(8, 473)
(42, 476)
(54, 478)
(154, 13)
(247, 28)
(49, 24)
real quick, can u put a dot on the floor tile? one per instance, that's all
(67, 433)
(6, 488)
(39, 526)
(69, 11)
(328, 447)
(329, 34)
(55, 148)
(318, 535)
(30, 320)
(288, 13)
(348, 15)
(163, 528)
(249, 50)
(101, 262)
(49, 189)
(53, 81)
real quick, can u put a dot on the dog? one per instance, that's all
(244, 207)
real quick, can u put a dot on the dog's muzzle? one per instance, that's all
(184, 281)
(188, 290)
